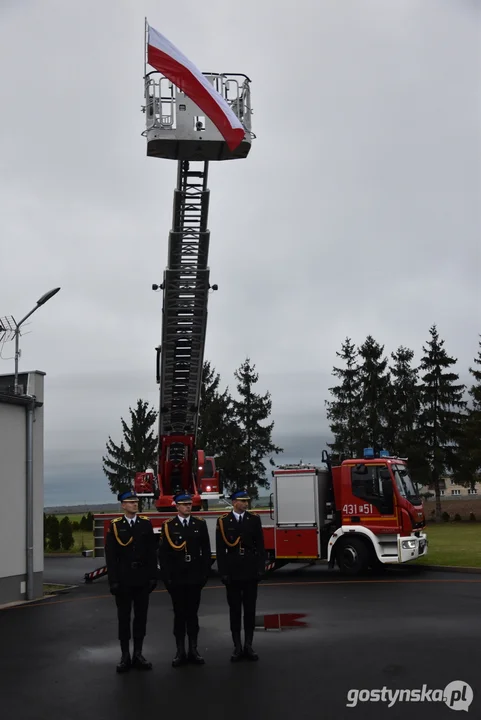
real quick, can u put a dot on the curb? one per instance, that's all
(450, 568)
(63, 555)
(53, 593)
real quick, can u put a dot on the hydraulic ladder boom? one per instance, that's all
(184, 323)
(177, 129)
(184, 315)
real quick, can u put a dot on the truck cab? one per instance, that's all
(377, 501)
(364, 512)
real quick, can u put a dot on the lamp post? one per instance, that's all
(40, 302)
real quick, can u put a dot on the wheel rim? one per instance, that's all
(349, 557)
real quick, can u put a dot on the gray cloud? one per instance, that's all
(357, 211)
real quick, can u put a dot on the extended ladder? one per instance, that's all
(185, 295)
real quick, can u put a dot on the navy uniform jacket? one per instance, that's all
(184, 553)
(240, 549)
(131, 553)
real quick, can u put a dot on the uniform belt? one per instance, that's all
(242, 551)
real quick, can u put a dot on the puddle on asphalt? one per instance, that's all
(281, 621)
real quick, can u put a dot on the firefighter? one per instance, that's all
(241, 564)
(185, 560)
(131, 558)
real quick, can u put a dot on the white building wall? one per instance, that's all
(13, 488)
(13, 485)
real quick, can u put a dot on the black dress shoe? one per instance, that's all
(181, 657)
(194, 656)
(237, 654)
(249, 653)
(125, 663)
(140, 663)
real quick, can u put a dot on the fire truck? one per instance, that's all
(178, 129)
(365, 513)
(361, 513)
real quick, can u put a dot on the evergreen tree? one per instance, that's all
(45, 531)
(343, 412)
(218, 432)
(255, 441)
(137, 450)
(403, 409)
(470, 443)
(66, 535)
(90, 521)
(374, 394)
(216, 413)
(440, 421)
(54, 533)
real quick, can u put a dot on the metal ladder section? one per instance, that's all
(185, 296)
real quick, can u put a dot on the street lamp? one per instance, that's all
(40, 302)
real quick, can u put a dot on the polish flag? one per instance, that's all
(167, 59)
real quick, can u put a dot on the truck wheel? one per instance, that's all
(352, 556)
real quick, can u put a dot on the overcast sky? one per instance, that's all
(357, 211)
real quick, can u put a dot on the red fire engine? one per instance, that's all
(363, 512)
(176, 129)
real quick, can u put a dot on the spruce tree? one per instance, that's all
(440, 421)
(137, 450)
(216, 415)
(374, 394)
(470, 443)
(219, 433)
(255, 441)
(66, 534)
(54, 533)
(343, 412)
(403, 409)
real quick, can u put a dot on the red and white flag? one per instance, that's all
(167, 59)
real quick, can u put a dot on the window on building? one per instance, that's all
(455, 492)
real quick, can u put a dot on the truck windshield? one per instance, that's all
(407, 488)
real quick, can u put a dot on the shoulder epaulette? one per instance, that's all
(200, 518)
(117, 519)
(144, 517)
(224, 516)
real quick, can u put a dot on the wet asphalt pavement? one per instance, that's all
(401, 630)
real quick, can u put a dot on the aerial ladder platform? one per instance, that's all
(178, 129)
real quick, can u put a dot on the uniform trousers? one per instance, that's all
(185, 601)
(125, 598)
(242, 593)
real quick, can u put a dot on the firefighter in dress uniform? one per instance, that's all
(241, 564)
(131, 558)
(185, 560)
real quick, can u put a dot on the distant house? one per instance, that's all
(449, 489)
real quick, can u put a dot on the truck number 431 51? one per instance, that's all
(357, 509)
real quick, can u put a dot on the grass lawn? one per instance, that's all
(83, 540)
(453, 544)
(87, 540)
(49, 589)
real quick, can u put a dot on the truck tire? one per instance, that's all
(352, 556)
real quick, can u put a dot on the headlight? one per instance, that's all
(408, 544)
